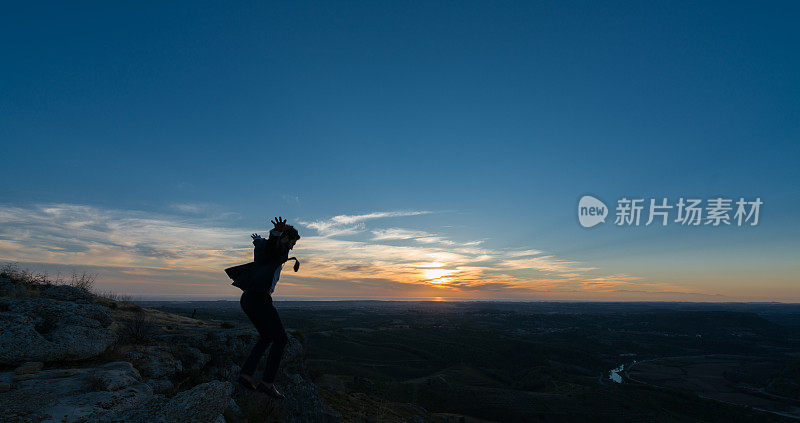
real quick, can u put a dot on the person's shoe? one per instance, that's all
(269, 390)
(246, 383)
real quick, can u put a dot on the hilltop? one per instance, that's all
(67, 354)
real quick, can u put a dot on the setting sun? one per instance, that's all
(437, 276)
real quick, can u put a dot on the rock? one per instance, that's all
(203, 403)
(65, 292)
(29, 367)
(234, 414)
(158, 362)
(302, 403)
(64, 323)
(188, 336)
(41, 329)
(62, 312)
(56, 373)
(24, 376)
(331, 382)
(11, 289)
(114, 376)
(134, 355)
(87, 394)
(193, 358)
(160, 385)
(232, 345)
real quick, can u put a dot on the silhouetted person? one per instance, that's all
(194, 312)
(258, 280)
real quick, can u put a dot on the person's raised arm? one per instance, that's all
(276, 232)
(280, 226)
(273, 244)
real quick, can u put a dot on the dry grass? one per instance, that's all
(83, 281)
(28, 284)
(137, 328)
(13, 272)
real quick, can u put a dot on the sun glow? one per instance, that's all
(437, 276)
(433, 264)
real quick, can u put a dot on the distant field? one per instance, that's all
(754, 381)
(548, 361)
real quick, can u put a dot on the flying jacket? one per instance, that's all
(263, 273)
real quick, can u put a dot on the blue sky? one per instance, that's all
(468, 125)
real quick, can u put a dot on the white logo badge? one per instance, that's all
(591, 211)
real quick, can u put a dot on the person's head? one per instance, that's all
(290, 236)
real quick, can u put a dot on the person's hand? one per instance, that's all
(280, 225)
(255, 236)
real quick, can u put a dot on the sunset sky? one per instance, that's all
(432, 150)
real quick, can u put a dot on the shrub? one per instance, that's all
(115, 300)
(137, 328)
(24, 277)
(113, 296)
(28, 283)
(83, 281)
(132, 307)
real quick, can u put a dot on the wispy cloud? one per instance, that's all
(160, 249)
(347, 224)
(291, 199)
(545, 263)
(397, 233)
(207, 211)
(188, 207)
(418, 236)
(76, 234)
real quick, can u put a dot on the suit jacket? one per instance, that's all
(261, 274)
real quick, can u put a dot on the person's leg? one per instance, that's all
(277, 335)
(255, 307)
(250, 364)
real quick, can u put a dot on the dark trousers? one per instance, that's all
(258, 307)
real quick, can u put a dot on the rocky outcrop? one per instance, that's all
(156, 362)
(203, 403)
(67, 356)
(302, 403)
(228, 349)
(65, 293)
(10, 289)
(73, 395)
(29, 367)
(44, 329)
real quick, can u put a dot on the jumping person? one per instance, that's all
(258, 280)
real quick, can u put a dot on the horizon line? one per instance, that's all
(451, 300)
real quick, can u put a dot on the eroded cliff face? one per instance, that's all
(69, 355)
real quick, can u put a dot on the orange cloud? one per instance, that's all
(162, 253)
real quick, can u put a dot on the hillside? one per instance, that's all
(67, 354)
